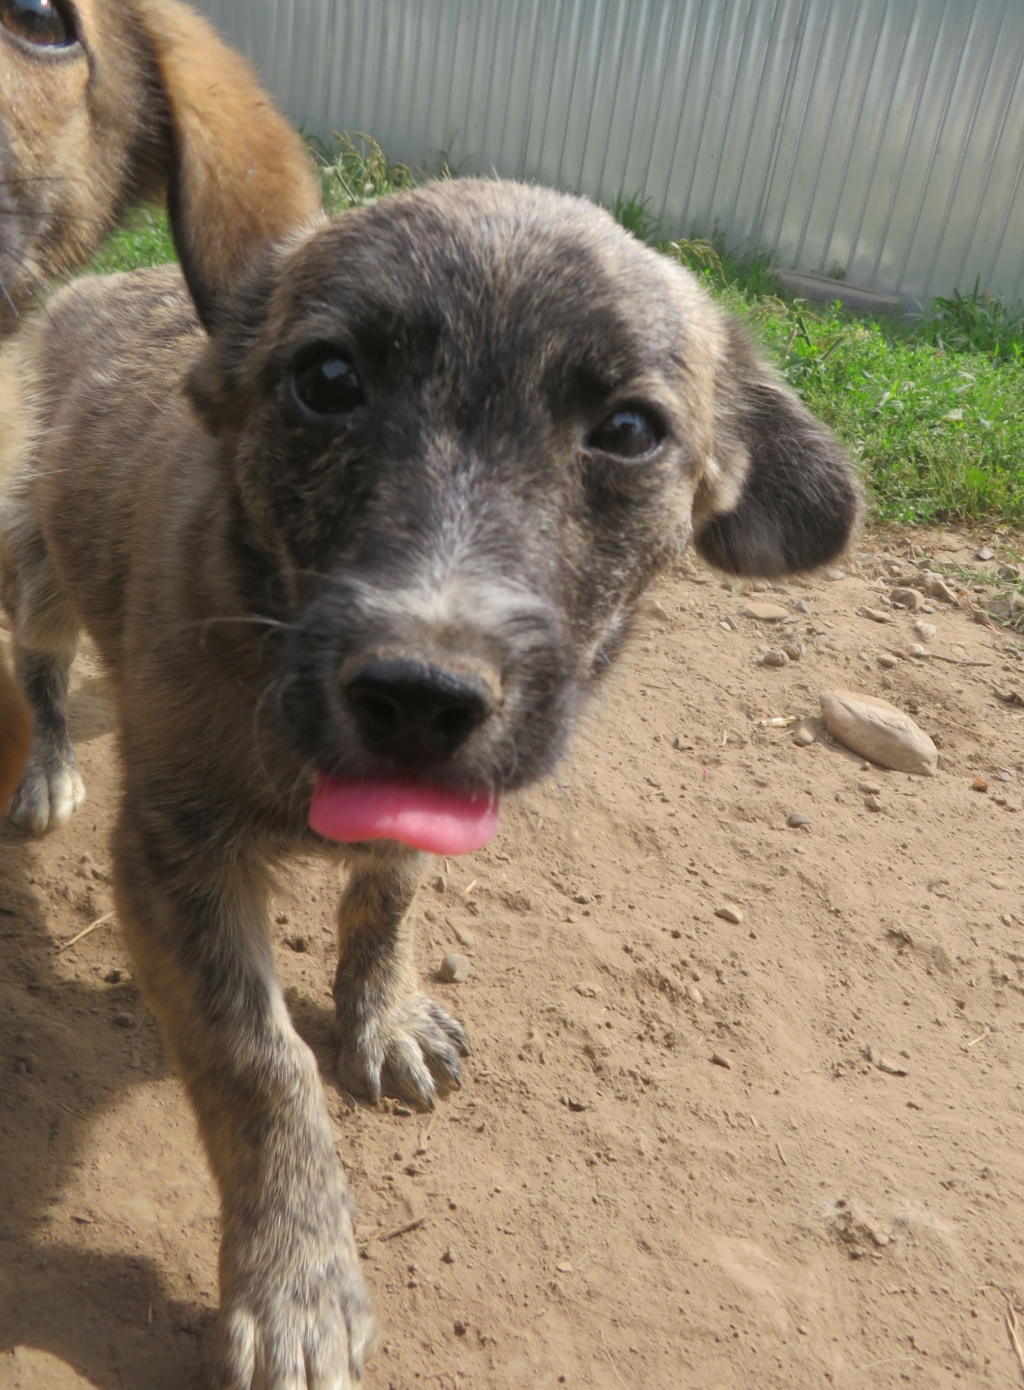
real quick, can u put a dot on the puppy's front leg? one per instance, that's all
(394, 1039)
(294, 1309)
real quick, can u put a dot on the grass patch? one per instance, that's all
(144, 240)
(934, 411)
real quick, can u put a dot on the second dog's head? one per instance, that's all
(465, 426)
(101, 101)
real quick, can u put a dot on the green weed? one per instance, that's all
(976, 323)
(634, 213)
(355, 170)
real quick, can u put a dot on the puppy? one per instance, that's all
(372, 539)
(100, 100)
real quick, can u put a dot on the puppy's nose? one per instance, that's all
(414, 711)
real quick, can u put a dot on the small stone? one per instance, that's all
(875, 614)
(796, 819)
(298, 943)
(448, 1257)
(1004, 775)
(775, 658)
(1002, 606)
(765, 612)
(884, 1063)
(455, 969)
(794, 650)
(830, 572)
(464, 937)
(729, 912)
(938, 588)
(868, 788)
(879, 731)
(114, 976)
(979, 785)
(887, 661)
(999, 884)
(802, 606)
(1009, 572)
(694, 995)
(123, 1021)
(872, 803)
(803, 736)
(281, 918)
(915, 649)
(720, 1061)
(459, 1328)
(926, 631)
(985, 553)
(907, 598)
(728, 625)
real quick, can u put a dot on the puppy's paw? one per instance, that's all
(292, 1318)
(411, 1051)
(50, 791)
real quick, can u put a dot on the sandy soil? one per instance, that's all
(781, 1152)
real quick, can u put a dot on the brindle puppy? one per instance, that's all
(389, 535)
(99, 99)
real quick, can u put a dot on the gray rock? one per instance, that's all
(775, 658)
(985, 553)
(879, 731)
(455, 969)
(938, 588)
(907, 598)
(796, 819)
(729, 912)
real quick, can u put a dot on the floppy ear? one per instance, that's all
(783, 496)
(239, 177)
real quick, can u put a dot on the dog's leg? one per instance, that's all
(52, 787)
(393, 1038)
(294, 1309)
(45, 637)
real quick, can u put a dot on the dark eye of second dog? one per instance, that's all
(628, 433)
(326, 383)
(44, 23)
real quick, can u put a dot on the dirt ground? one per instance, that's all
(690, 1152)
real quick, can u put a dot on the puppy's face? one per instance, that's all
(69, 93)
(465, 427)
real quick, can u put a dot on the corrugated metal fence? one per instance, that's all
(881, 137)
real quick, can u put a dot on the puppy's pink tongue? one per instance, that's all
(429, 818)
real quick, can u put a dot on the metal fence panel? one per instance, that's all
(883, 138)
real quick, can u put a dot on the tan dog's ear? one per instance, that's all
(239, 176)
(782, 496)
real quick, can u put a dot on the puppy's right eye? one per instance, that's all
(43, 23)
(326, 383)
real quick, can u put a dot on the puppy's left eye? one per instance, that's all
(326, 383)
(630, 433)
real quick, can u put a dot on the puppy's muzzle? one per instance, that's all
(414, 711)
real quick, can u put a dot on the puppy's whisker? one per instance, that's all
(232, 620)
